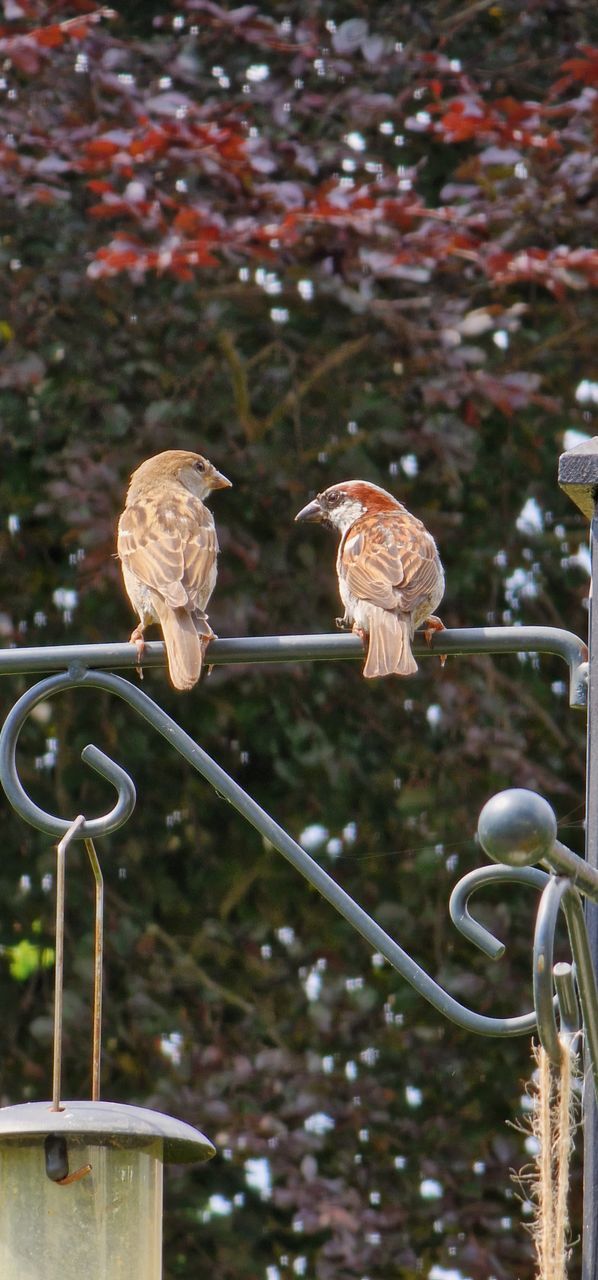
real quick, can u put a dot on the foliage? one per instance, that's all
(315, 243)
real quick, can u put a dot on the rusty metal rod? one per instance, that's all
(59, 962)
(98, 961)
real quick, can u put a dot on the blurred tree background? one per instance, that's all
(314, 241)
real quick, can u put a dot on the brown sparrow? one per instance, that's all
(389, 573)
(168, 547)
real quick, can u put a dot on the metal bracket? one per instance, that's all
(519, 827)
(236, 650)
(77, 666)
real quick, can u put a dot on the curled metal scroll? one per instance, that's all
(519, 827)
(230, 791)
(459, 902)
(107, 768)
(560, 893)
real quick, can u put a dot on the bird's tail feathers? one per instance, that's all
(185, 646)
(389, 648)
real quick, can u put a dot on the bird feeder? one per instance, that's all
(81, 1182)
(81, 1189)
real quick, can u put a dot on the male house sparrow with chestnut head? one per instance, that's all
(389, 573)
(168, 548)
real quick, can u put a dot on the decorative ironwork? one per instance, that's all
(517, 828)
(80, 666)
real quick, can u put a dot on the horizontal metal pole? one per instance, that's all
(247, 649)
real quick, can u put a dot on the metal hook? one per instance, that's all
(57, 1162)
(519, 827)
(98, 960)
(459, 902)
(561, 892)
(225, 786)
(543, 964)
(584, 973)
(73, 833)
(107, 768)
(69, 836)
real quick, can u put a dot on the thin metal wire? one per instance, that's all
(98, 962)
(70, 834)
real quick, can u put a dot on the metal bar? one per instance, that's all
(566, 863)
(230, 791)
(59, 962)
(590, 1120)
(98, 959)
(588, 994)
(578, 476)
(314, 648)
(546, 921)
(570, 1017)
(473, 880)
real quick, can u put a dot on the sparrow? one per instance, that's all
(168, 548)
(389, 572)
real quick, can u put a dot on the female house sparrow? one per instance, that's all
(389, 573)
(168, 547)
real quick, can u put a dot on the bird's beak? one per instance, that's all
(312, 511)
(218, 481)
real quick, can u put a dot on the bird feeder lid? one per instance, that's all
(578, 475)
(107, 1124)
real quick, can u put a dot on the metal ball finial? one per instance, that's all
(517, 827)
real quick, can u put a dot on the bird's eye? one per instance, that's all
(334, 499)
(199, 466)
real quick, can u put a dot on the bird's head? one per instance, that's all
(342, 504)
(196, 473)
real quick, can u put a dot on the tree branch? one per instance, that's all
(256, 428)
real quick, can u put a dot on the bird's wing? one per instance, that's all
(389, 559)
(170, 544)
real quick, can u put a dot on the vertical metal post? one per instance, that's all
(578, 476)
(590, 1125)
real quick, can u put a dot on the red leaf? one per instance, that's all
(459, 126)
(49, 37)
(584, 69)
(515, 111)
(101, 147)
(116, 209)
(154, 140)
(99, 186)
(187, 221)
